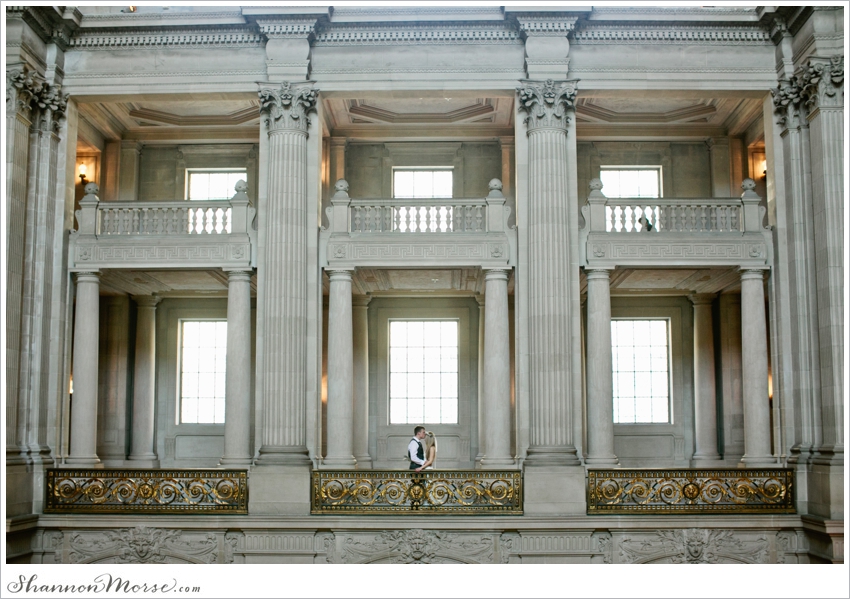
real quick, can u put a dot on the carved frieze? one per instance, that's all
(286, 107)
(677, 34)
(289, 28)
(187, 37)
(694, 546)
(412, 546)
(145, 545)
(546, 103)
(339, 35)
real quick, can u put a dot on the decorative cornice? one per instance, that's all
(283, 28)
(167, 16)
(821, 81)
(201, 36)
(287, 107)
(546, 26)
(417, 34)
(673, 34)
(546, 103)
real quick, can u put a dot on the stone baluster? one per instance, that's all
(282, 282)
(547, 106)
(83, 452)
(340, 373)
(142, 453)
(360, 332)
(754, 372)
(600, 404)
(237, 386)
(705, 398)
(497, 372)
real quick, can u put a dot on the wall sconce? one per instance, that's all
(762, 166)
(82, 171)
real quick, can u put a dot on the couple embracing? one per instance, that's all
(422, 449)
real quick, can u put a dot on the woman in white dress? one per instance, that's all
(430, 443)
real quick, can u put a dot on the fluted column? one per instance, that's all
(754, 370)
(705, 398)
(548, 106)
(497, 372)
(144, 384)
(237, 385)
(600, 393)
(822, 88)
(340, 372)
(83, 452)
(360, 332)
(285, 222)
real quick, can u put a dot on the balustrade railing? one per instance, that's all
(417, 216)
(631, 215)
(164, 218)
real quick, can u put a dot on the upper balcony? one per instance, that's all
(669, 232)
(386, 233)
(164, 235)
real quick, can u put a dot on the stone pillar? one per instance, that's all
(360, 333)
(340, 373)
(482, 432)
(128, 171)
(730, 366)
(237, 386)
(705, 398)
(144, 385)
(548, 105)
(508, 147)
(600, 393)
(497, 372)
(754, 349)
(285, 223)
(822, 88)
(720, 165)
(86, 343)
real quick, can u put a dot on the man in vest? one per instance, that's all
(415, 451)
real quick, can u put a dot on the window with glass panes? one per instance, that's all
(422, 183)
(631, 182)
(203, 353)
(641, 371)
(423, 371)
(212, 184)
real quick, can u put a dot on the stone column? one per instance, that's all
(340, 373)
(128, 171)
(600, 393)
(86, 344)
(144, 384)
(482, 432)
(237, 385)
(547, 105)
(508, 147)
(705, 398)
(822, 88)
(285, 223)
(754, 349)
(497, 372)
(720, 165)
(360, 333)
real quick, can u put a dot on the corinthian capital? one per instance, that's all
(52, 104)
(546, 103)
(786, 103)
(287, 107)
(822, 81)
(22, 85)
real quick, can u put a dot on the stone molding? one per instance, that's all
(672, 34)
(546, 26)
(546, 103)
(486, 250)
(287, 28)
(287, 107)
(198, 36)
(151, 253)
(343, 35)
(729, 250)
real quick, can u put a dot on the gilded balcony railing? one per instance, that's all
(437, 492)
(691, 491)
(124, 491)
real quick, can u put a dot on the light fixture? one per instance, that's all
(82, 171)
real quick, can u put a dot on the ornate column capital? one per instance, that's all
(286, 107)
(22, 85)
(821, 82)
(546, 103)
(786, 103)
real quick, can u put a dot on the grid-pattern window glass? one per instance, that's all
(203, 352)
(641, 371)
(423, 371)
(212, 184)
(619, 182)
(420, 183)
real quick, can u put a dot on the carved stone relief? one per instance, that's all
(413, 546)
(694, 546)
(144, 545)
